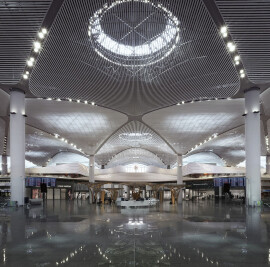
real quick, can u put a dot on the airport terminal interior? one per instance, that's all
(134, 133)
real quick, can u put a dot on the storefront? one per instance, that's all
(63, 189)
(232, 187)
(5, 188)
(81, 191)
(199, 189)
(34, 183)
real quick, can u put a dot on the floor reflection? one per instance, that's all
(75, 233)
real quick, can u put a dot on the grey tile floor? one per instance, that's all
(75, 233)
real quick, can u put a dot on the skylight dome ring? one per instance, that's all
(135, 137)
(151, 51)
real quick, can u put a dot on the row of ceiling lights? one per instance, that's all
(67, 142)
(70, 100)
(71, 255)
(215, 135)
(103, 253)
(232, 48)
(200, 100)
(37, 45)
(267, 143)
(36, 49)
(5, 145)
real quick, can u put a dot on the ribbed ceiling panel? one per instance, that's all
(20, 21)
(248, 22)
(2, 135)
(190, 124)
(136, 155)
(40, 146)
(230, 146)
(135, 135)
(86, 126)
(190, 64)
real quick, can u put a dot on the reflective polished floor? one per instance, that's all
(74, 233)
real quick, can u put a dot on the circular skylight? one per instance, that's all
(135, 137)
(133, 32)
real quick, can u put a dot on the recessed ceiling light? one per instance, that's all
(231, 46)
(29, 63)
(223, 29)
(44, 31)
(37, 45)
(41, 35)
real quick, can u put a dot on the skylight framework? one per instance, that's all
(135, 46)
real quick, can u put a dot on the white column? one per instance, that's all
(268, 164)
(253, 145)
(92, 168)
(143, 193)
(4, 164)
(17, 145)
(220, 191)
(127, 191)
(179, 175)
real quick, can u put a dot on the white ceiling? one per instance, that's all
(149, 141)
(248, 22)
(86, 126)
(134, 100)
(200, 120)
(137, 155)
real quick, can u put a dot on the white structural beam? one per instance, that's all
(4, 164)
(92, 169)
(17, 145)
(268, 164)
(253, 146)
(179, 175)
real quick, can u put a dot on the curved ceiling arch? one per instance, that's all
(248, 21)
(199, 120)
(204, 157)
(135, 155)
(41, 147)
(75, 70)
(84, 125)
(20, 20)
(135, 134)
(68, 157)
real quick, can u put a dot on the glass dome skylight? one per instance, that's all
(133, 32)
(135, 136)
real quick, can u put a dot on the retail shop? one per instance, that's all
(221, 187)
(56, 188)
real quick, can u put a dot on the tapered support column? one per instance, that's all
(268, 164)
(179, 175)
(4, 164)
(253, 146)
(127, 191)
(92, 169)
(17, 145)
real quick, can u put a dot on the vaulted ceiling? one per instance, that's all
(133, 80)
